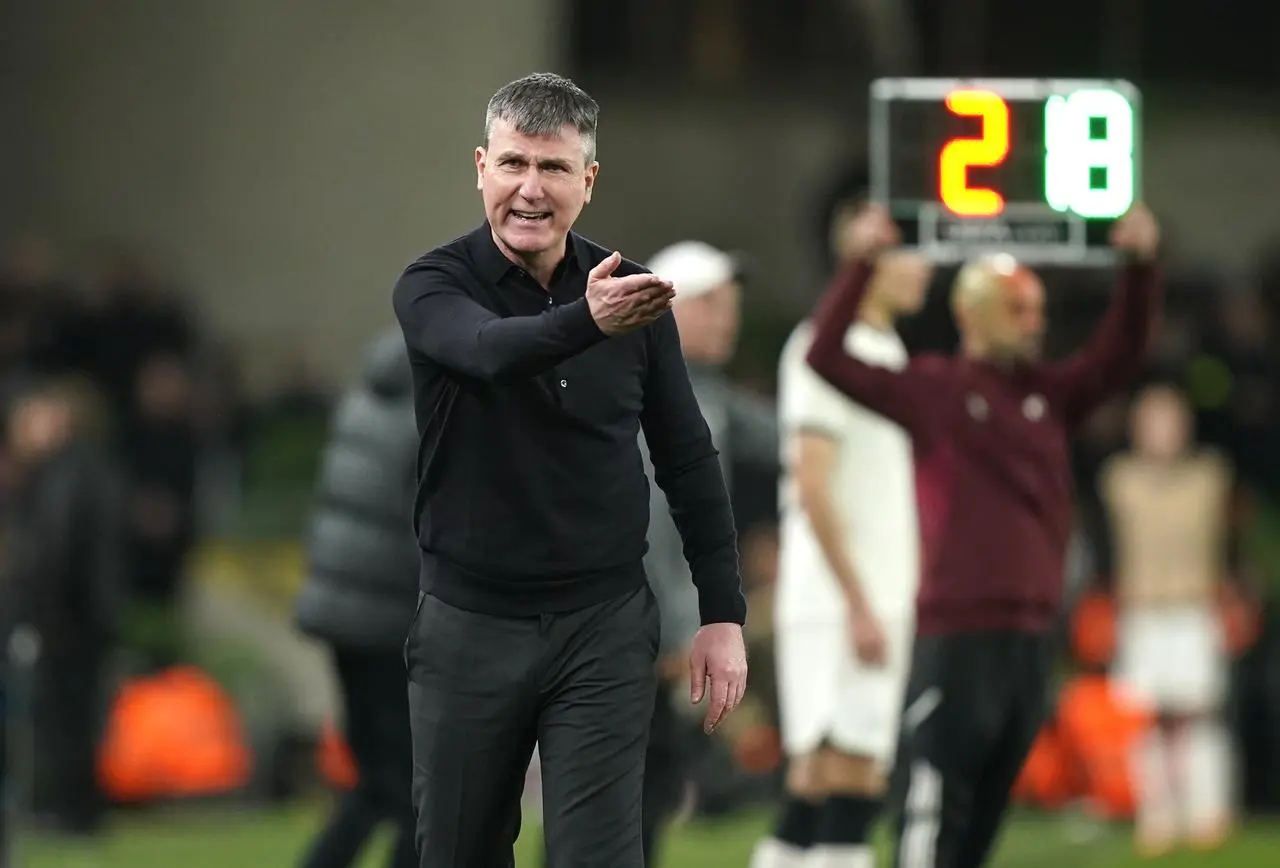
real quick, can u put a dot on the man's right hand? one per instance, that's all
(868, 638)
(621, 304)
(870, 233)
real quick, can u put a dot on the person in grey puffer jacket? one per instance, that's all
(744, 430)
(360, 594)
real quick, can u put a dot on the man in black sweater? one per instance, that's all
(537, 358)
(362, 580)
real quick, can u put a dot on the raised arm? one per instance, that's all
(911, 396)
(1114, 354)
(445, 324)
(687, 468)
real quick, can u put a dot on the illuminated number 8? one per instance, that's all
(1074, 156)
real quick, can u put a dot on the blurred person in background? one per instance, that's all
(362, 580)
(538, 356)
(707, 310)
(127, 317)
(33, 299)
(63, 563)
(848, 573)
(990, 431)
(1168, 504)
(160, 456)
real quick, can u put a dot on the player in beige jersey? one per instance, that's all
(1168, 503)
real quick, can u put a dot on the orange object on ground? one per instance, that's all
(333, 756)
(1101, 729)
(173, 734)
(1050, 777)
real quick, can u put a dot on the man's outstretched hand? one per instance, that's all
(718, 668)
(622, 304)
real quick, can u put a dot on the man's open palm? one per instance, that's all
(718, 668)
(620, 304)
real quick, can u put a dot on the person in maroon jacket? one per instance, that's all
(990, 430)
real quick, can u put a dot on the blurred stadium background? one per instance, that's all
(205, 205)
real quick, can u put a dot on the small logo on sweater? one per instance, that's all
(1033, 407)
(976, 405)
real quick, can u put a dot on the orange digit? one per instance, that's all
(960, 154)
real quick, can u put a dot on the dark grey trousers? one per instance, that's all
(484, 689)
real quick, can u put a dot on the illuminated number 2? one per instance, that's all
(959, 154)
(1088, 168)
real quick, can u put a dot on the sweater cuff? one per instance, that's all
(722, 605)
(579, 325)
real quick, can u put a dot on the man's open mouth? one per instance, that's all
(531, 216)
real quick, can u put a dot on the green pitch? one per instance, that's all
(276, 840)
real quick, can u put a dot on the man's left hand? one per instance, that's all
(719, 656)
(1137, 233)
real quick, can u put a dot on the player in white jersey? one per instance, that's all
(848, 573)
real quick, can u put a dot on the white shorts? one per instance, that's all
(827, 696)
(1173, 659)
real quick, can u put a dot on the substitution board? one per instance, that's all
(1038, 168)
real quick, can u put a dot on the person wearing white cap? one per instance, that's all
(708, 288)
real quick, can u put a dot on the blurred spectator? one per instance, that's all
(126, 318)
(1168, 502)
(159, 452)
(708, 284)
(32, 299)
(362, 581)
(1237, 379)
(63, 576)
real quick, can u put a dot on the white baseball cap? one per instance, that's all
(695, 267)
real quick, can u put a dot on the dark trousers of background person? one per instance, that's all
(484, 689)
(974, 704)
(67, 712)
(666, 771)
(376, 709)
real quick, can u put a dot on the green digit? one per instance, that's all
(1071, 154)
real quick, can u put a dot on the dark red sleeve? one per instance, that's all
(1114, 355)
(911, 397)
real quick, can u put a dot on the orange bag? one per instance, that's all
(333, 757)
(173, 734)
(1100, 728)
(1049, 778)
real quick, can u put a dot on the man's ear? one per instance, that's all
(592, 171)
(480, 159)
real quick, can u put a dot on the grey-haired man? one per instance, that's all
(538, 357)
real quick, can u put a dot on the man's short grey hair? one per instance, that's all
(540, 105)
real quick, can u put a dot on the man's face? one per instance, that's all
(1161, 424)
(905, 283)
(1012, 319)
(534, 187)
(709, 324)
